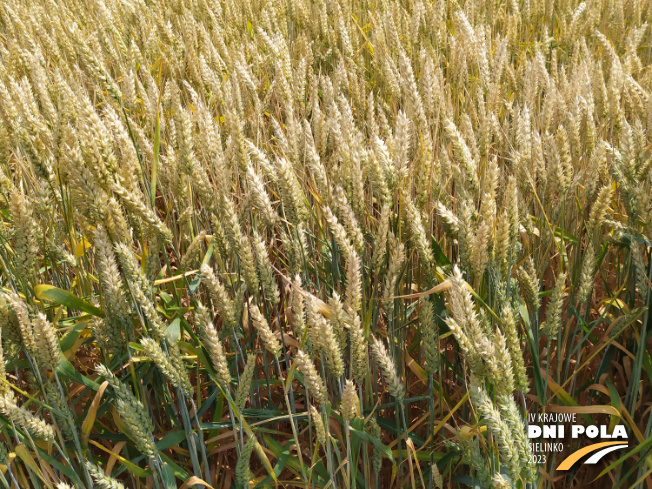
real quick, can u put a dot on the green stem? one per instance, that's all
(295, 432)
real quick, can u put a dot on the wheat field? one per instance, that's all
(341, 244)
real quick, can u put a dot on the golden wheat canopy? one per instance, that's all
(321, 244)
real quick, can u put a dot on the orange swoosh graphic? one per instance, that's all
(574, 457)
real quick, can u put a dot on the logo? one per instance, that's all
(550, 436)
(603, 449)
